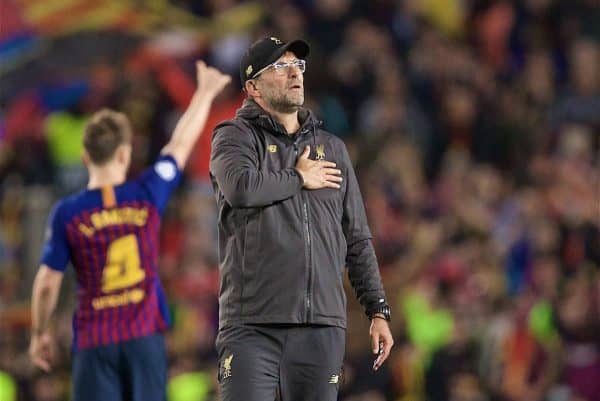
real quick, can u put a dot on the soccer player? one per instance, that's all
(110, 233)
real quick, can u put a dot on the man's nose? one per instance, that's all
(294, 71)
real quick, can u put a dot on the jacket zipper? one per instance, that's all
(308, 260)
(307, 249)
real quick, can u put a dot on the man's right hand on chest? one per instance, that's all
(318, 174)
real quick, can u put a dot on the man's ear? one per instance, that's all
(123, 153)
(251, 88)
(85, 158)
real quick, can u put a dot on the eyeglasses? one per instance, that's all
(281, 67)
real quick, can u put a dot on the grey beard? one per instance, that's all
(283, 105)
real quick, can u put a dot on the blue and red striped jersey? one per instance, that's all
(111, 236)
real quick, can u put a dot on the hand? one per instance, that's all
(318, 174)
(381, 340)
(42, 351)
(210, 80)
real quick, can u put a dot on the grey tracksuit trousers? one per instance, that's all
(298, 362)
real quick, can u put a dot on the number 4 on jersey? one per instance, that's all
(123, 267)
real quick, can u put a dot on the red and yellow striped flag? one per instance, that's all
(59, 17)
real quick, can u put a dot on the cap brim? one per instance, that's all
(299, 47)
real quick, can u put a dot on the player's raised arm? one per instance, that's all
(210, 83)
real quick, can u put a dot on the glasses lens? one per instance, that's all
(282, 67)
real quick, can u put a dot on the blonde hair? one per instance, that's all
(104, 133)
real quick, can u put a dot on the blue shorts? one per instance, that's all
(134, 370)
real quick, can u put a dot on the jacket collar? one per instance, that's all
(251, 111)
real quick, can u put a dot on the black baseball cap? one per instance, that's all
(266, 51)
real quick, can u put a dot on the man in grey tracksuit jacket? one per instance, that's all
(291, 218)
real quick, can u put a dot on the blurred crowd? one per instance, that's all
(474, 127)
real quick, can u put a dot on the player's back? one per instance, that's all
(111, 236)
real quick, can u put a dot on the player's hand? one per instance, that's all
(210, 80)
(42, 351)
(381, 340)
(318, 174)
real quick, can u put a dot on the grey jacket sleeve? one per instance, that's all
(234, 164)
(363, 269)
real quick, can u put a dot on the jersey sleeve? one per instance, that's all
(160, 180)
(55, 253)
